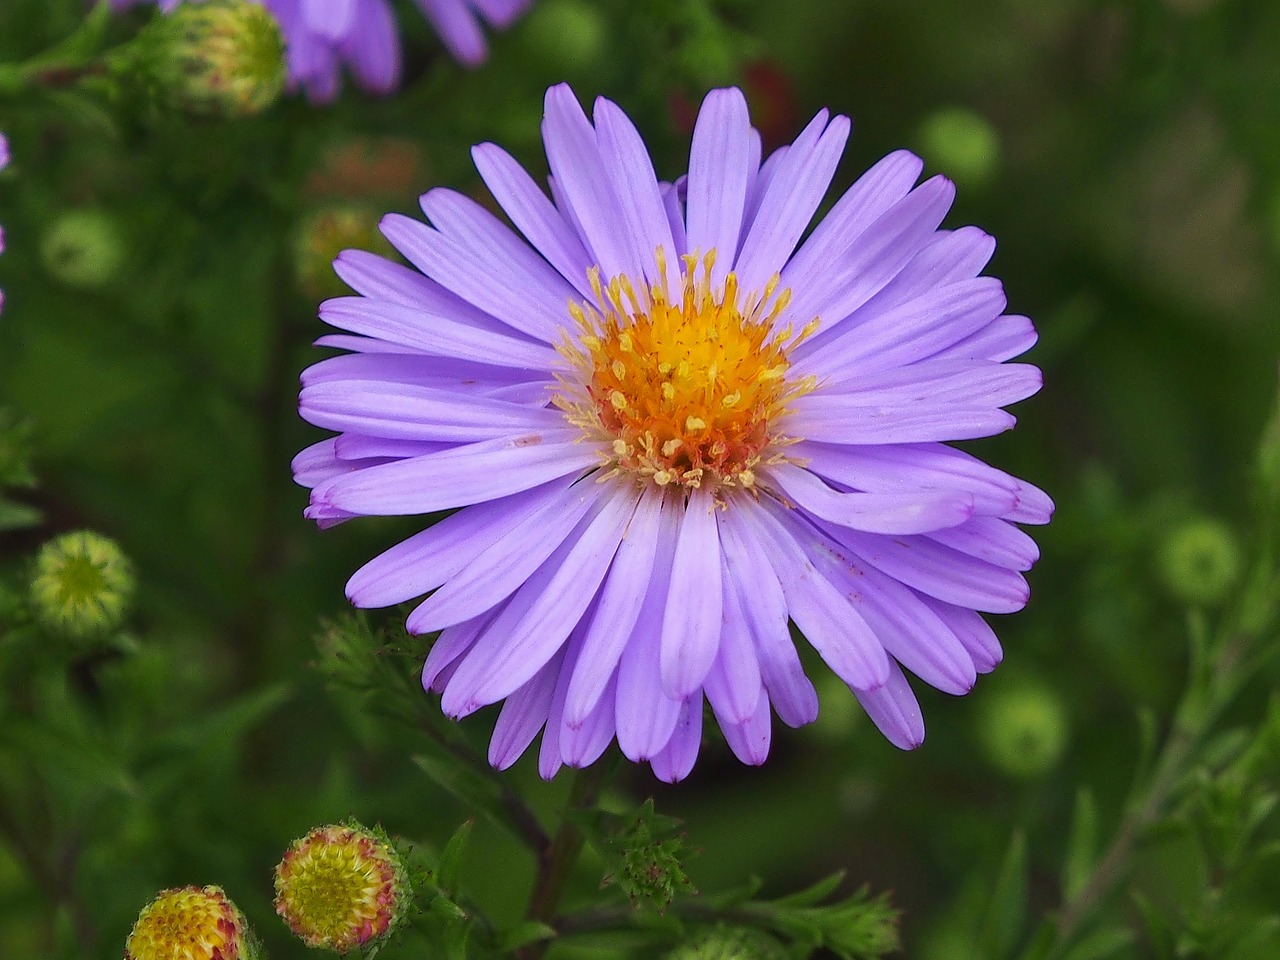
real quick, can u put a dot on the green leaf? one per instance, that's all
(474, 789)
(1006, 913)
(522, 934)
(451, 860)
(18, 516)
(1102, 944)
(1082, 845)
(1160, 934)
(814, 894)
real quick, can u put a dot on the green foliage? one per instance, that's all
(646, 857)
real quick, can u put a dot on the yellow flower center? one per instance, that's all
(687, 390)
(190, 923)
(338, 888)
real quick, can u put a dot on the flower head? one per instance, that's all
(342, 887)
(218, 57)
(668, 427)
(82, 585)
(191, 923)
(323, 36)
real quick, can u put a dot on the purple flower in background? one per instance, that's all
(323, 36)
(667, 431)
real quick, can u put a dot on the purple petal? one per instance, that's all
(884, 249)
(645, 715)
(894, 709)
(533, 214)
(821, 610)
(749, 740)
(460, 476)
(630, 171)
(831, 418)
(758, 592)
(993, 540)
(409, 412)
(892, 513)
(619, 606)
(502, 568)
(733, 684)
(692, 620)
(872, 194)
(439, 553)
(552, 601)
(791, 197)
(457, 28)
(930, 466)
(676, 759)
(907, 628)
(1002, 339)
(434, 333)
(574, 156)
(522, 716)
(909, 332)
(719, 168)
(972, 631)
(940, 572)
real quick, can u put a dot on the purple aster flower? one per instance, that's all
(667, 430)
(323, 36)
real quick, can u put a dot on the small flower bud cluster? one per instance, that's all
(342, 887)
(191, 923)
(217, 58)
(82, 585)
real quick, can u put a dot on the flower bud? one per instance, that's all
(571, 34)
(342, 887)
(1199, 562)
(83, 248)
(325, 234)
(729, 944)
(1023, 728)
(82, 585)
(217, 58)
(191, 923)
(962, 143)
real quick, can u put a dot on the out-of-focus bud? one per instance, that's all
(1023, 728)
(571, 34)
(83, 248)
(191, 923)
(82, 586)
(343, 887)
(221, 58)
(962, 144)
(730, 944)
(1199, 562)
(326, 233)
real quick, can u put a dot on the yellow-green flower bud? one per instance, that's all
(191, 923)
(82, 586)
(217, 58)
(342, 887)
(1023, 728)
(962, 143)
(83, 248)
(1199, 562)
(325, 234)
(729, 944)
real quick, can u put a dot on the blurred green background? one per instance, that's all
(161, 277)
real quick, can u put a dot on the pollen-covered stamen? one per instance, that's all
(688, 390)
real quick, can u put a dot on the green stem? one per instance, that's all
(1194, 718)
(555, 865)
(66, 62)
